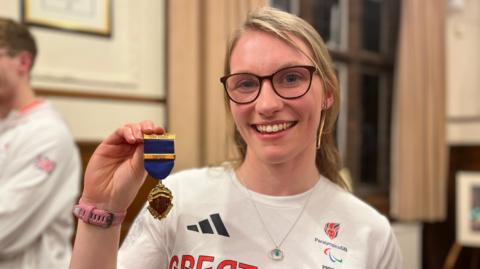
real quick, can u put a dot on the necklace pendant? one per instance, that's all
(276, 254)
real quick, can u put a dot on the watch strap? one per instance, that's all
(98, 217)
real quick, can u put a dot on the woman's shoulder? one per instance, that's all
(348, 204)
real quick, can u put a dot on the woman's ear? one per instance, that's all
(329, 99)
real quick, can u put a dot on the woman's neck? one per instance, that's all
(286, 178)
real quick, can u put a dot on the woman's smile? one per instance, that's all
(271, 128)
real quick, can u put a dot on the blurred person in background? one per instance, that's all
(39, 164)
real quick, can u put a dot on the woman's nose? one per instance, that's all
(268, 102)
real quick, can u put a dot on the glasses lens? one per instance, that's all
(242, 88)
(292, 82)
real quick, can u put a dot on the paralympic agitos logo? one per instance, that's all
(328, 252)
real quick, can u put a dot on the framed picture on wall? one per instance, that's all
(84, 16)
(468, 208)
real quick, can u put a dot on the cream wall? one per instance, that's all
(129, 64)
(92, 120)
(463, 73)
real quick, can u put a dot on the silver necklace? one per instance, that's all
(277, 253)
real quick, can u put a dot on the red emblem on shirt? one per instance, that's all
(45, 164)
(331, 229)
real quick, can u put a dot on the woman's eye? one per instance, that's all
(291, 78)
(246, 84)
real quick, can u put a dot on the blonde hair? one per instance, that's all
(282, 24)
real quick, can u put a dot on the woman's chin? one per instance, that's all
(274, 157)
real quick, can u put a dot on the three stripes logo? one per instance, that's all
(206, 228)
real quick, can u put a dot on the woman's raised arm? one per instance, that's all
(113, 178)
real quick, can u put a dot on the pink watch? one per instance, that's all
(92, 215)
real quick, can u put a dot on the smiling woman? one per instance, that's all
(294, 148)
(282, 94)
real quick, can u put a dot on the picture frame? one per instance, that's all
(468, 208)
(82, 16)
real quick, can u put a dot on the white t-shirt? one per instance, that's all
(39, 182)
(214, 224)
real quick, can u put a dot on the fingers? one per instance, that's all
(133, 132)
(149, 127)
(138, 159)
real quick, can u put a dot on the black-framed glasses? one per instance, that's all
(289, 83)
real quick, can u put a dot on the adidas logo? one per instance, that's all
(206, 228)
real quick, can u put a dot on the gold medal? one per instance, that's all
(160, 201)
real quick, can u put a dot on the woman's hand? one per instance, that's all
(115, 171)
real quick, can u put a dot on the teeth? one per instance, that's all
(273, 128)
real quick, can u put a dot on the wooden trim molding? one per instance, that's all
(97, 96)
(464, 119)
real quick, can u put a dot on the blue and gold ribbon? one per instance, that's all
(159, 155)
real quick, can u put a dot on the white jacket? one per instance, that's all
(39, 182)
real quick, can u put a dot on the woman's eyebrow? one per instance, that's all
(282, 66)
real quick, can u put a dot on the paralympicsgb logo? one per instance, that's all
(331, 229)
